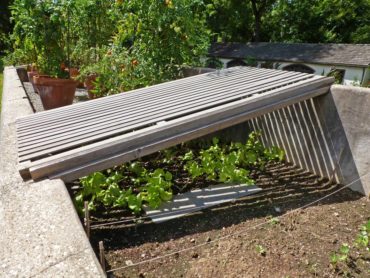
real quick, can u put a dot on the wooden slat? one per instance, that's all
(73, 141)
(136, 105)
(105, 154)
(185, 83)
(61, 142)
(127, 103)
(149, 112)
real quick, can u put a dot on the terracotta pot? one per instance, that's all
(36, 81)
(30, 75)
(55, 92)
(89, 84)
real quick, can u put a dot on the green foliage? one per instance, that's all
(229, 20)
(361, 244)
(100, 189)
(162, 37)
(336, 21)
(229, 164)
(1, 88)
(91, 26)
(133, 185)
(341, 256)
(261, 250)
(39, 33)
(5, 27)
(114, 70)
(362, 240)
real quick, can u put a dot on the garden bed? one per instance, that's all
(297, 246)
(241, 238)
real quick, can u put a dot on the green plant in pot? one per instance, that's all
(51, 43)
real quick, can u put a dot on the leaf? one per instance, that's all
(166, 195)
(134, 203)
(168, 176)
(334, 258)
(188, 156)
(344, 249)
(215, 140)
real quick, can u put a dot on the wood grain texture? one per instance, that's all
(69, 142)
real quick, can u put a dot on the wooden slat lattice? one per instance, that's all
(72, 141)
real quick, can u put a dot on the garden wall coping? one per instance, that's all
(41, 234)
(352, 104)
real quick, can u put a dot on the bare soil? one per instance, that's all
(244, 239)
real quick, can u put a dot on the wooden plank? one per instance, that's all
(144, 115)
(135, 104)
(114, 151)
(198, 199)
(85, 137)
(70, 174)
(114, 107)
(79, 107)
(76, 109)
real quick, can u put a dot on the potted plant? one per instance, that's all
(44, 26)
(56, 89)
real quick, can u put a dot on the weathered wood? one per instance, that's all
(179, 100)
(187, 83)
(119, 126)
(101, 255)
(135, 106)
(85, 138)
(113, 151)
(87, 218)
(74, 141)
(162, 90)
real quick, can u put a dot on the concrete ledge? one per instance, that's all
(353, 106)
(41, 235)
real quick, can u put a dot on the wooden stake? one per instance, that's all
(101, 255)
(87, 219)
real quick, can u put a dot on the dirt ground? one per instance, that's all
(244, 238)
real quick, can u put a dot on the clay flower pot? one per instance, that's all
(30, 75)
(89, 84)
(36, 81)
(55, 92)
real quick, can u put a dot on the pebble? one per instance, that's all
(336, 214)
(129, 262)
(208, 239)
(277, 209)
(194, 255)
(192, 240)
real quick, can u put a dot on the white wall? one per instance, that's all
(352, 75)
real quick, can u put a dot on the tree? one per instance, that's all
(230, 20)
(259, 8)
(162, 36)
(325, 21)
(5, 26)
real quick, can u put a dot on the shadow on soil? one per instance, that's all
(285, 187)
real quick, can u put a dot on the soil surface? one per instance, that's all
(245, 238)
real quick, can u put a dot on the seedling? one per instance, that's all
(274, 221)
(261, 250)
(341, 256)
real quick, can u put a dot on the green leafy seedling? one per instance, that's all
(261, 250)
